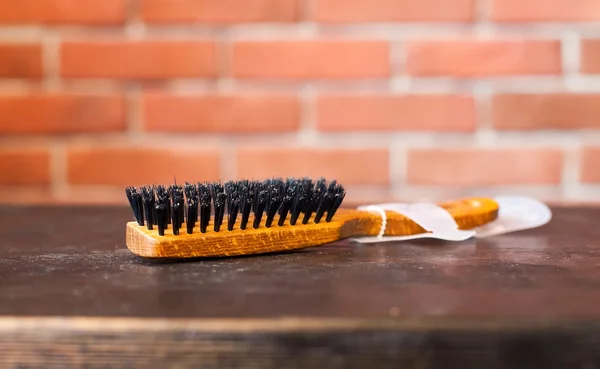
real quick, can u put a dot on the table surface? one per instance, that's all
(66, 275)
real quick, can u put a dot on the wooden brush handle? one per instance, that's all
(468, 213)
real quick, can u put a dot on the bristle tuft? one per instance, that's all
(260, 207)
(191, 201)
(176, 193)
(162, 208)
(205, 200)
(136, 202)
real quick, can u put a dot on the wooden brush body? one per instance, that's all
(468, 213)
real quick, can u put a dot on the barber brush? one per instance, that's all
(215, 219)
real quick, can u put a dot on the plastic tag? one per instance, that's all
(429, 216)
(515, 213)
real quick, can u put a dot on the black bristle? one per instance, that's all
(162, 197)
(327, 198)
(246, 201)
(308, 210)
(233, 211)
(338, 198)
(255, 188)
(148, 200)
(308, 207)
(189, 204)
(181, 202)
(191, 200)
(161, 218)
(136, 202)
(319, 191)
(140, 205)
(175, 218)
(162, 209)
(297, 204)
(260, 207)
(284, 209)
(325, 203)
(205, 201)
(162, 214)
(129, 194)
(233, 202)
(317, 196)
(273, 204)
(178, 211)
(219, 200)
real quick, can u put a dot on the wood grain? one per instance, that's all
(468, 213)
(297, 343)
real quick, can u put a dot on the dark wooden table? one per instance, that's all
(71, 293)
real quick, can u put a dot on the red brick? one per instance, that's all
(590, 56)
(349, 166)
(63, 11)
(545, 11)
(20, 61)
(360, 195)
(339, 11)
(92, 195)
(222, 114)
(24, 167)
(473, 167)
(590, 170)
(396, 113)
(219, 11)
(480, 58)
(138, 59)
(311, 59)
(138, 166)
(546, 111)
(61, 113)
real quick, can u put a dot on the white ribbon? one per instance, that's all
(515, 213)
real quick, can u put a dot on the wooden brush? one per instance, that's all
(187, 221)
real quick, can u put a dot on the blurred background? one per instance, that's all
(398, 99)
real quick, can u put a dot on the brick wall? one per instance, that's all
(398, 99)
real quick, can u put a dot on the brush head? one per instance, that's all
(268, 203)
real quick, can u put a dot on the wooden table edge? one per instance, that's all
(290, 324)
(298, 342)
